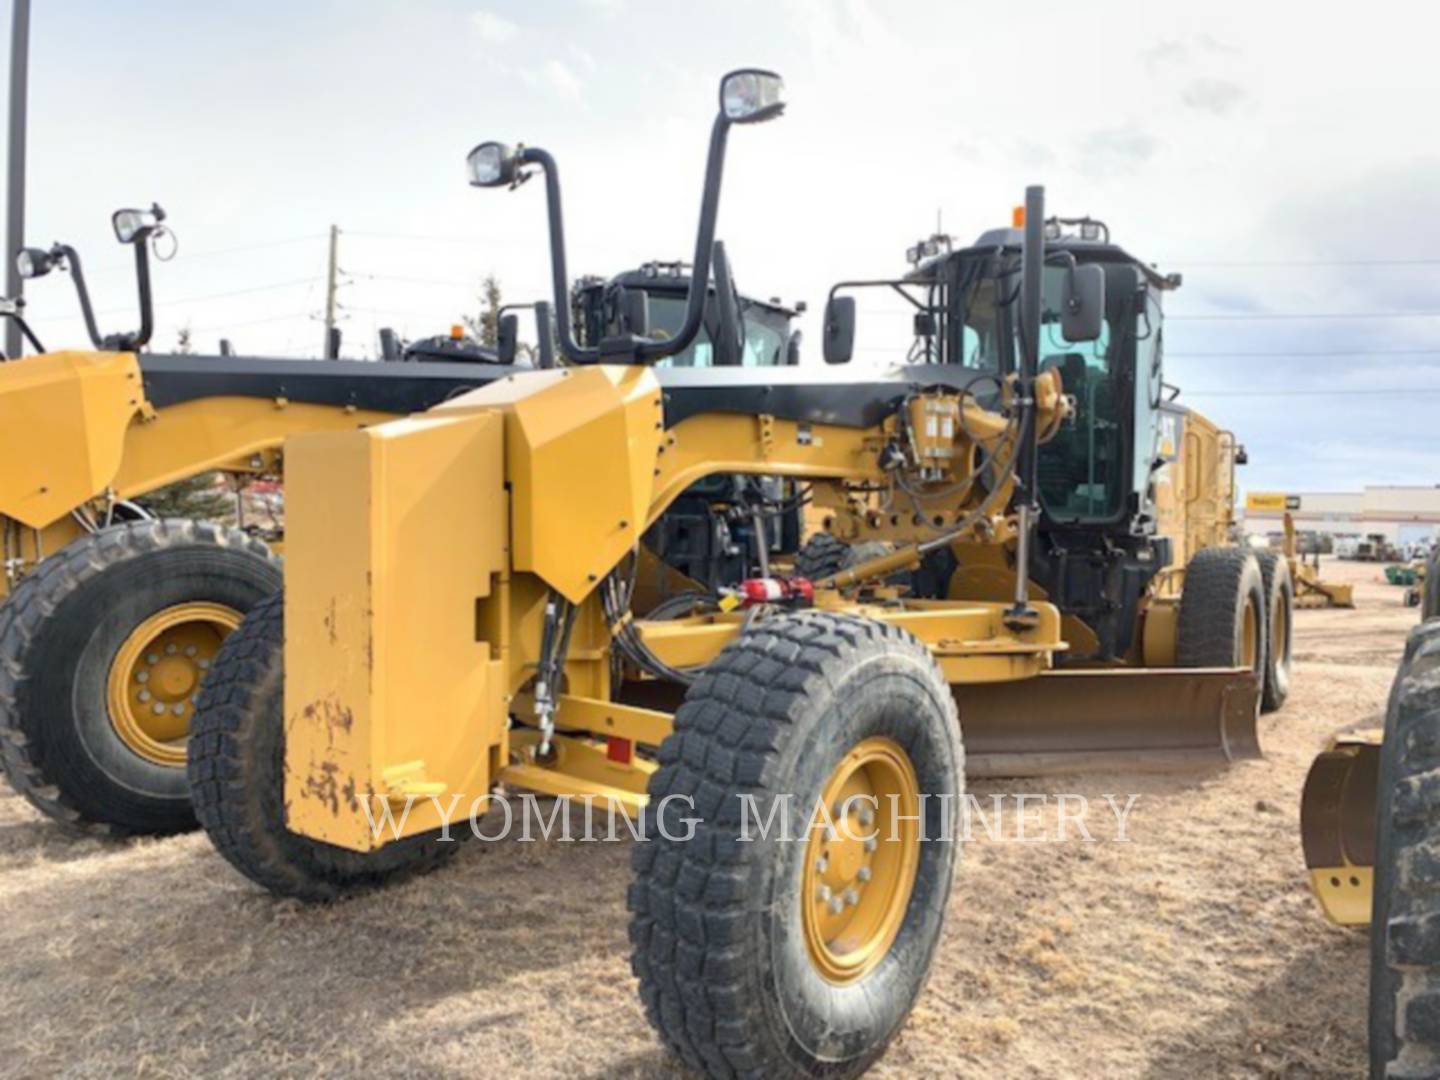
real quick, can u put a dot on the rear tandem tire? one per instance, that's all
(1405, 920)
(1279, 622)
(821, 556)
(1222, 611)
(236, 769)
(87, 635)
(737, 974)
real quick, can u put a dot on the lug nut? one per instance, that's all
(142, 676)
(825, 892)
(158, 709)
(836, 905)
(153, 659)
(852, 897)
(822, 864)
(171, 649)
(190, 650)
(867, 818)
(863, 874)
(144, 695)
(871, 845)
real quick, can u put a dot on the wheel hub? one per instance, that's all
(156, 675)
(860, 870)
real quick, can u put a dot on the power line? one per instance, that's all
(1306, 315)
(1359, 392)
(469, 283)
(191, 299)
(250, 322)
(1288, 263)
(1232, 354)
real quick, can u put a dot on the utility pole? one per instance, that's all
(332, 281)
(15, 165)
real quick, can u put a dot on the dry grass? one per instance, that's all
(1194, 950)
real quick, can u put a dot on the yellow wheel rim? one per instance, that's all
(1250, 645)
(860, 873)
(1279, 635)
(156, 676)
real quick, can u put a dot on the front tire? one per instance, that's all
(237, 778)
(102, 651)
(762, 957)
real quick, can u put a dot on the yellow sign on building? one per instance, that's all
(1271, 500)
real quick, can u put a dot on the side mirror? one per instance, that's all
(730, 338)
(633, 308)
(132, 226)
(792, 349)
(1082, 304)
(491, 164)
(751, 96)
(839, 329)
(507, 337)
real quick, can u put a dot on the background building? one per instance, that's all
(1396, 516)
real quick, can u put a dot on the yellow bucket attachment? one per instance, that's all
(1103, 718)
(1337, 824)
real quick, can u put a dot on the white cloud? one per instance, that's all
(561, 79)
(493, 28)
(1216, 96)
(608, 8)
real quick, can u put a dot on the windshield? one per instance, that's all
(1082, 469)
(984, 327)
(766, 334)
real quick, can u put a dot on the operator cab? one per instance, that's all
(1097, 470)
(1097, 543)
(651, 301)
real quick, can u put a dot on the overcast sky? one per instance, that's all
(1295, 143)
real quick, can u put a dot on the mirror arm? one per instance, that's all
(704, 240)
(1027, 496)
(147, 301)
(560, 277)
(544, 335)
(77, 274)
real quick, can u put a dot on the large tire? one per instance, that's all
(821, 556)
(1405, 920)
(724, 944)
(236, 767)
(77, 737)
(1279, 623)
(1222, 611)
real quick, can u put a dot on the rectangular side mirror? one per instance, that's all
(633, 306)
(1082, 307)
(839, 345)
(507, 337)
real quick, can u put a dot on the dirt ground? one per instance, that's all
(1192, 950)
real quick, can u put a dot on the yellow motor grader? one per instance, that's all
(109, 619)
(459, 613)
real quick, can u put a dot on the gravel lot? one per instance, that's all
(1194, 949)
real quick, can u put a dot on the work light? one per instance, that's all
(34, 263)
